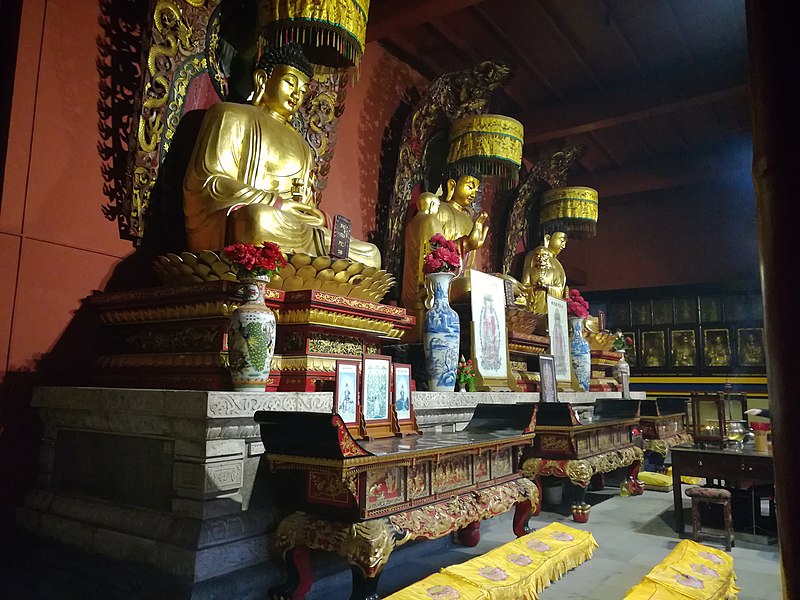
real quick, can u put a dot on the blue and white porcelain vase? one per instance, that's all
(441, 335)
(251, 338)
(580, 353)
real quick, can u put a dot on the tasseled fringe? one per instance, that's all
(317, 34)
(506, 173)
(579, 229)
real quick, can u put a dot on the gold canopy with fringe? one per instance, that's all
(488, 144)
(331, 32)
(572, 210)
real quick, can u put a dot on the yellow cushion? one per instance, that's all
(650, 478)
(440, 586)
(691, 571)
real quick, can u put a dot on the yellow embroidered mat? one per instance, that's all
(519, 569)
(691, 571)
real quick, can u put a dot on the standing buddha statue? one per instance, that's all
(453, 218)
(250, 175)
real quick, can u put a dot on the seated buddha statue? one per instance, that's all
(542, 273)
(453, 218)
(250, 175)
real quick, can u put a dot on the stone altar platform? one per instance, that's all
(173, 478)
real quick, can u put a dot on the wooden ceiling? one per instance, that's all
(655, 90)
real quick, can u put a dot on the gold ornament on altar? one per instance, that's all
(572, 210)
(542, 273)
(332, 32)
(487, 144)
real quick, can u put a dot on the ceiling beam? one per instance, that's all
(387, 17)
(620, 105)
(728, 162)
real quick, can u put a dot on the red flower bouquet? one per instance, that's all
(621, 342)
(255, 261)
(465, 374)
(443, 256)
(576, 305)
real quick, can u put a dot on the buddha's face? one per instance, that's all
(542, 259)
(283, 91)
(465, 191)
(558, 241)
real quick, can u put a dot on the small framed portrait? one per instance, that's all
(401, 386)
(345, 398)
(654, 352)
(716, 348)
(683, 348)
(662, 311)
(710, 309)
(737, 308)
(641, 312)
(686, 310)
(489, 337)
(750, 347)
(619, 315)
(558, 327)
(548, 389)
(376, 395)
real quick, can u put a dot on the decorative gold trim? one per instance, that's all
(662, 446)
(303, 363)
(581, 471)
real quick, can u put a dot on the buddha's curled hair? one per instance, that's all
(289, 54)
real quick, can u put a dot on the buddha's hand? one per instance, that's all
(304, 212)
(477, 236)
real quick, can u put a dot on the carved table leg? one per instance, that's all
(598, 482)
(470, 535)
(538, 506)
(522, 512)
(634, 485)
(580, 508)
(364, 588)
(301, 576)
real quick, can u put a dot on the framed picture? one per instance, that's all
(401, 386)
(548, 390)
(710, 309)
(345, 398)
(737, 308)
(558, 327)
(619, 315)
(662, 311)
(654, 353)
(489, 336)
(683, 348)
(686, 310)
(376, 397)
(750, 347)
(716, 348)
(641, 312)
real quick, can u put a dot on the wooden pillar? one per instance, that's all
(771, 27)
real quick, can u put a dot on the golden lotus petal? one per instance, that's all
(202, 269)
(229, 276)
(288, 271)
(341, 277)
(330, 286)
(321, 262)
(208, 257)
(355, 268)
(344, 289)
(300, 260)
(326, 274)
(189, 258)
(221, 267)
(340, 264)
(292, 283)
(275, 282)
(368, 271)
(307, 273)
(174, 258)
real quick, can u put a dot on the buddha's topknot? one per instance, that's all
(290, 54)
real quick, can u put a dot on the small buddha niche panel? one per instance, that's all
(689, 330)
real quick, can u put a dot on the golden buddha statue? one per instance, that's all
(453, 218)
(542, 273)
(250, 175)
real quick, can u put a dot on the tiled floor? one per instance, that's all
(625, 554)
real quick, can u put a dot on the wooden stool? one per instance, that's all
(711, 496)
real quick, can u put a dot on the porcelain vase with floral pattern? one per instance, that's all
(441, 335)
(580, 353)
(251, 338)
